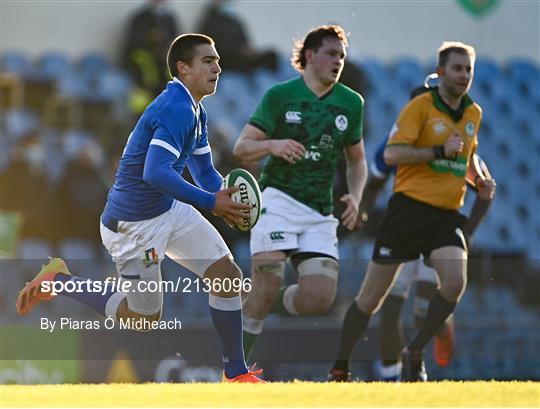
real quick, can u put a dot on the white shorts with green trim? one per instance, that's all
(287, 224)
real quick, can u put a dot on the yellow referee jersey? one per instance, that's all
(427, 121)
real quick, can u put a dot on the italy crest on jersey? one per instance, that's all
(150, 257)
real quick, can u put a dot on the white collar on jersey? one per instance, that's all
(175, 79)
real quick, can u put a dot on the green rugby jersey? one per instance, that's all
(326, 125)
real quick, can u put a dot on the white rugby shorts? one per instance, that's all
(288, 224)
(138, 248)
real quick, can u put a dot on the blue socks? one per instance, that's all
(226, 315)
(93, 299)
(227, 318)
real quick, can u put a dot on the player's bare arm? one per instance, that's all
(253, 145)
(356, 180)
(405, 154)
(373, 187)
(479, 174)
(482, 202)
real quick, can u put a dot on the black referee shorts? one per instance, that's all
(410, 228)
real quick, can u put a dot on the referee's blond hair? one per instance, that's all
(449, 47)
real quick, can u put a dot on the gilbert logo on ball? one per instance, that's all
(248, 193)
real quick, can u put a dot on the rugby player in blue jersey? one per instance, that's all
(150, 210)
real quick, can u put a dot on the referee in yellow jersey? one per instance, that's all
(432, 144)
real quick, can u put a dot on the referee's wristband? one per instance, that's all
(438, 151)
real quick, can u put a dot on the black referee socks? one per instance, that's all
(438, 311)
(354, 325)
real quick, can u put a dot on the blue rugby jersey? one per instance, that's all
(379, 168)
(173, 122)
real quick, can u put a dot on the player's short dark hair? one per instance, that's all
(183, 49)
(449, 47)
(313, 41)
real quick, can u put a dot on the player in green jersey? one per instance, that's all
(302, 125)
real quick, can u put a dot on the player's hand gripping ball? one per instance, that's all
(248, 193)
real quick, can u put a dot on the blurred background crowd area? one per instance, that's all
(66, 117)
(65, 121)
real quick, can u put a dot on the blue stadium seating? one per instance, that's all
(113, 85)
(75, 140)
(32, 253)
(509, 96)
(81, 257)
(19, 122)
(523, 68)
(77, 249)
(375, 70)
(74, 86)
(53, 65)
(486, 69)
(16, 63)
(408, 72)
(53, 142)
(237, 96)
(525, 77)
(91, 65)
(262, 81)
(285, 69)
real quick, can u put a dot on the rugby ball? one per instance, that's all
(248, 193)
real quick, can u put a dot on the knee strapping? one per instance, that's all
(276, 268)
(325, 266)
(288, 299)
(251, 325)
(225, 304)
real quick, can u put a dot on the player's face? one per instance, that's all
(456, 76)
(328, 61)
(203, 72)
